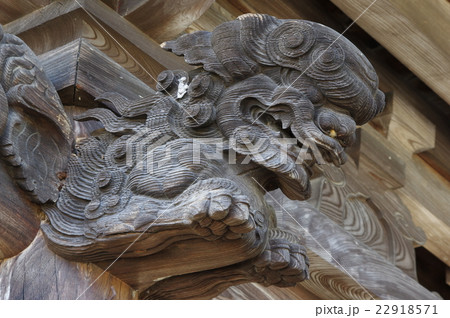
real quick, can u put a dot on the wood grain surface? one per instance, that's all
(401, 24)
(20, 220)
(37, 273)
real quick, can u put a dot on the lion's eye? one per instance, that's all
(332, 133)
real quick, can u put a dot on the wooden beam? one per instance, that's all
(11, 10)
(38, 273)
(41, 16)
(95, 66)
(61, 65)
(435, 226)
(357, 263)
(169, 17)
(77, 25)
(19, 217)
(401, 24)
(130, 32)
(380, 162)
(255, 291)
(99, 17)
(75, 66)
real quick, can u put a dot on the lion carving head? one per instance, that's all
(284, 78)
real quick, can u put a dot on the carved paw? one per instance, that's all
(222, 214)
(282, 264)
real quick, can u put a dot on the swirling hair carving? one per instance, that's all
(260, 81)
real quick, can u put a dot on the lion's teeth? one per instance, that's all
(285, 123)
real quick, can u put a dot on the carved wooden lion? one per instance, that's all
(180, 176)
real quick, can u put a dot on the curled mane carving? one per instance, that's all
(242, 48)
(260, 79)
(272, 91)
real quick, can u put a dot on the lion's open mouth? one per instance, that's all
(302, 153)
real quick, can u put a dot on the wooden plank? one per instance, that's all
(380, 162)
(130, 32)
(400, 24)
(95, 67)
(61, 64)
(19, 217)
(212, 17)
(337, 247)
(14, 9)
(438, 157)
(169, 17)
(38, 273)
(75, 66)
(437, 229)
(57, 32)
(67, 28)
(409, 128)
(78, 25)
(41, 16)
(255, 291)
(121, 51)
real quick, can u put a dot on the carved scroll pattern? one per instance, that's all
(121, 187)
(33, 123)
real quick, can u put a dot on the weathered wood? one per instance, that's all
(95, 67)
(37, 273)
(12, 10)
(61, 66)
(255, 291)
(169, 17)
(41, 16)
(335, 271)
(34, 123)
(212, 17)
(380, 162)
(122, 51)
(436, 229)
(438, 156)
(379, 165)
(85, 69)
(65, 21)
(78, 25)
(400, 24)
(370, 212)
(19, 218)
(130, 32)
(169, 215)
(325, 280)
(420, 124)
(362, 263)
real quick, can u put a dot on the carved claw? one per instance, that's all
(223, 214)
(283, 264)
